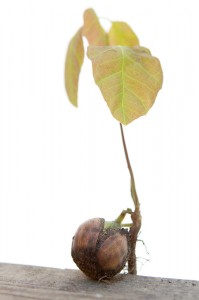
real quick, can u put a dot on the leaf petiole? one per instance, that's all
(133, 188)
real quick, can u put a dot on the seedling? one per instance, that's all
(129, 78)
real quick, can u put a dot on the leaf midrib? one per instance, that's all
(122, 75)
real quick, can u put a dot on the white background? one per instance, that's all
(60, 166)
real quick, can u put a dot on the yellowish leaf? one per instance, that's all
(74, 60)
(121, 34)
(93, 30)
(129, 79)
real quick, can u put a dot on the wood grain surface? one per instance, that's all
(20, 282)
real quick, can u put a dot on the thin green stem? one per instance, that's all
(121, 217)
(133, 188)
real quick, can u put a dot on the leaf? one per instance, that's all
(121, 34)
(92, 29)
(74, 61)
(129, 79)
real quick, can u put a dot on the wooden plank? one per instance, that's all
(18, 282)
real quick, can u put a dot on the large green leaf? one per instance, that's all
(121, 34)
(74, 60)
(129, 79)
(93, 30)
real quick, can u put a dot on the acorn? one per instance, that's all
(100, 249)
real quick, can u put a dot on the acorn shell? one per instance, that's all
(100, 252)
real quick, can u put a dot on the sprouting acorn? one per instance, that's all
(101, 249)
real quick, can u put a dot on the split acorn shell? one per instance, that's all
(100, 252)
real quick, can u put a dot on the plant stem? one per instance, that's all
(133, 188)
(135, 216)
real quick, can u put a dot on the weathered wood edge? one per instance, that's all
(29, 282)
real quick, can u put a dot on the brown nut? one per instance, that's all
(98, 251)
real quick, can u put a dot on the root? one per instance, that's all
(144, 245)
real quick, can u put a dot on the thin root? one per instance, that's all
(144, 245)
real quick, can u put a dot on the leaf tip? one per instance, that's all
(72, 100)
(75, 104)
(88, 10)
